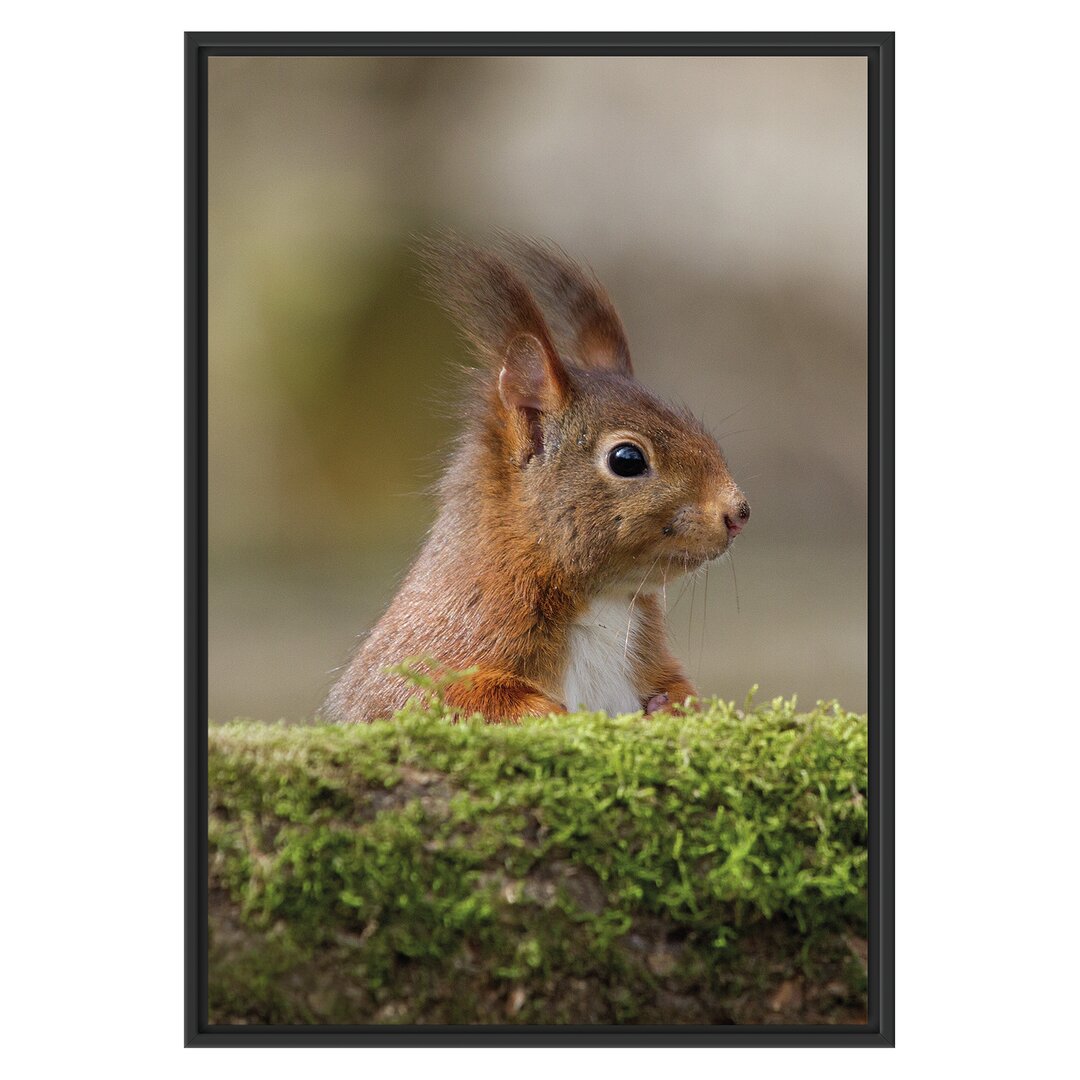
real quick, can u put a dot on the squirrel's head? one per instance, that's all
(611, 483)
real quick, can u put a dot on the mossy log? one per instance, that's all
(672, 869)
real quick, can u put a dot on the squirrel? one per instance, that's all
(573, 497)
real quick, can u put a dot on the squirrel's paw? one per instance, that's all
(657, 702)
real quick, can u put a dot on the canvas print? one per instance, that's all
(537, 573)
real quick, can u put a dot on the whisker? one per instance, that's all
(690, 623)
(682, 592)
(704, 621)
(734, 581)
(739, 431)
(633, 600)
(735, 412)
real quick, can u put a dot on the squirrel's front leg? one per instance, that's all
(659, 678)
(500, 698)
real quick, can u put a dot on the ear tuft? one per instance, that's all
(578, 309)
(502, 321)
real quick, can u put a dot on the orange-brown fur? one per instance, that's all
(532, 525)
(502, 695)
(659, 672)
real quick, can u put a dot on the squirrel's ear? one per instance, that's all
(532, 377)
(579, 311)
(532, 382)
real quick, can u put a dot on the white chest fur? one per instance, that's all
(599, 667)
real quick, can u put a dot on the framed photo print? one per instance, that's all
(540, 539)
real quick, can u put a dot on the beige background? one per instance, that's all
(723, 203)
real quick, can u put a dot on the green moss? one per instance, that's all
(571, 869)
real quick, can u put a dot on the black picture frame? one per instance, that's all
(879, 49)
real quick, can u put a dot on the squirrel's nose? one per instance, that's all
(737, 519)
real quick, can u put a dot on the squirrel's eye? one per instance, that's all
(626, 459)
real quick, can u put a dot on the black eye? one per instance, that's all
(626, 459)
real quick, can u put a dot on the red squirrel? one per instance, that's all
(573, 498)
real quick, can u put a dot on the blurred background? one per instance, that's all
(721, 200)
